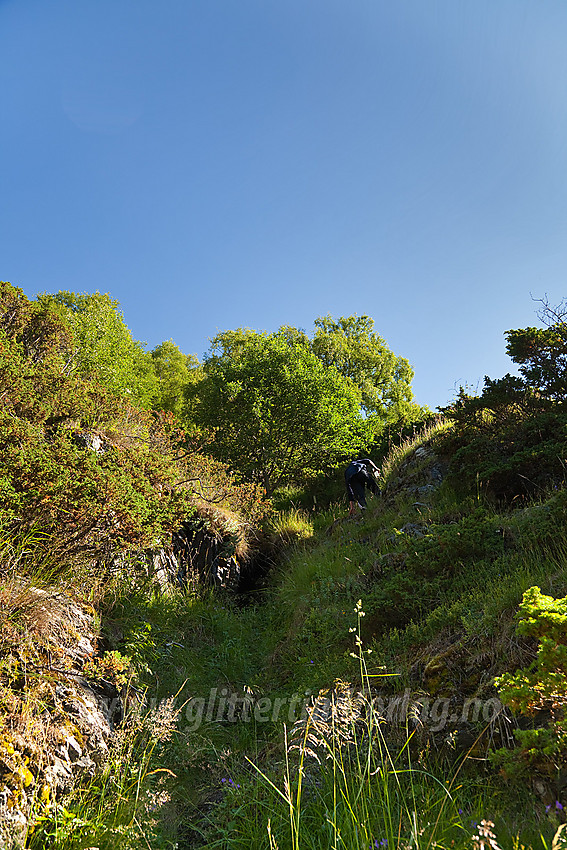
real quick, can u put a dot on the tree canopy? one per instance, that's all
(542, 353)
(175, 373)
(276, 410)
(274, 406)
(104, 347)
(122, 494)
(353, 348)
(542, 384)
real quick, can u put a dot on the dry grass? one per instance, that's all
(399, 454)
(45, 636)
(224, 523)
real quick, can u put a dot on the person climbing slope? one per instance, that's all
(359, 475)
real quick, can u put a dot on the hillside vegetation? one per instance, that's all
(398, 679)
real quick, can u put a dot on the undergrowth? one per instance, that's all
(247, 759)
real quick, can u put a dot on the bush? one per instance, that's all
(509, 457)
(539, 692)
(83, 464)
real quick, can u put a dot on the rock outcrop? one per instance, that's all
(60, 723)
(419, 475)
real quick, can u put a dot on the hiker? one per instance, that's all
(358, 475)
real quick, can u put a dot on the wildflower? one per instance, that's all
(155, 800)
(485, 839)
(558, 806)
(160, 721)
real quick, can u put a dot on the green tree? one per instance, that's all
(542, 353)
(276, 410)
(353, 348)
(122, 494)
(104, 347)
(176, 373)
(542, 357)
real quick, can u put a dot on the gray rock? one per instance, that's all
(13, 822)
(422, 452)
(424, 491)
(92, 441)
(413, 530)
(58, 774)
(436, 473)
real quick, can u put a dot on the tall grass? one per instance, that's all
(342, 787)
(337, 778)
(289, 528)
(398, 454)
(118, 808)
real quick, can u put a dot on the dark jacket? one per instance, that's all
(357, 466)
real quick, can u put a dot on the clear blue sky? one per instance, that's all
(223, 163)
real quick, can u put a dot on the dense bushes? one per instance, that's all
(511, 441)
(539, 692)
(516, 454)
(83, 462)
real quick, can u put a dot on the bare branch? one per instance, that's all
(214, 501)
(551, 315)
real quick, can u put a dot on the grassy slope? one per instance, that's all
(439, 581)
(447, 573)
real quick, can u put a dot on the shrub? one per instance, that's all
(510, 457)
(539, 692)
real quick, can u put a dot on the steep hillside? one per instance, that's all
(98, 499)
(394, 678)
(429, 581)
(376, 646)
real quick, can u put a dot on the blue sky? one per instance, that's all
(223, 163)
